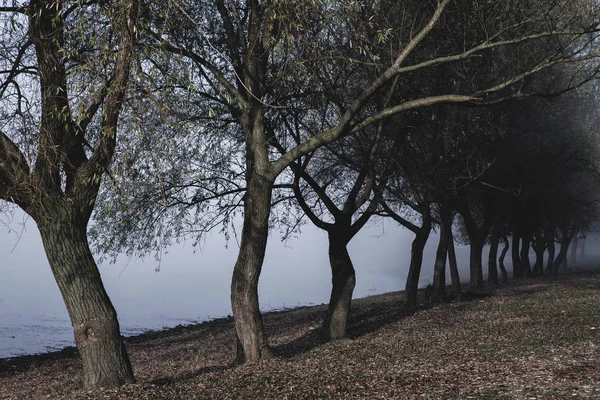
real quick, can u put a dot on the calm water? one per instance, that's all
(22, 334)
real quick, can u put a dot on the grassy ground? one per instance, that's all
(537, 339)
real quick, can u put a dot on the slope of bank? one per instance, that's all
(537, 339)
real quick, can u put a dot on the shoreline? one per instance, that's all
(70, 352)
(529, 339)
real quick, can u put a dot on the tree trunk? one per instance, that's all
(252, 341)
(551, 251)
(516, 259)
(416, 260)
(343, 282)
(477, 236)
(439, 268)
(561, 258)
(452, 257)
(493, 255)
(501, 261)
(475, 263)
(94, 319)
(525, 264)
(539, 248)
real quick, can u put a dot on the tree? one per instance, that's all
(59, 116)
(342, 205)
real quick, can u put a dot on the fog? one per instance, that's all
(193, 283)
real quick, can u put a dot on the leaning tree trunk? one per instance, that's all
(343, 282)
(516, 258)
(501, 261)
(493, 255)
(252, 341)
(525, 264)
(94, 319)
(439, 268)
(561, 258)
(416, 261)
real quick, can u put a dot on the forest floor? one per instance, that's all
(534, 339)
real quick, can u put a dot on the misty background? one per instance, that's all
(193, 284)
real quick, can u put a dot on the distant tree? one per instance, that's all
(548, 161)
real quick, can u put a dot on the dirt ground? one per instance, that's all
(536, 339)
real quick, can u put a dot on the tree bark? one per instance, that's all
(516, 258)
(501, 260)
(94, 319)
(416, 259)
(343, 282)
(493, 255)
(525, 264)
(252, 341)
(439, 268)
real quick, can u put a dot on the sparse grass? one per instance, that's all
(530, 340)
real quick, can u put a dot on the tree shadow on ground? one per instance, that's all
(362, 321)
(369, 315)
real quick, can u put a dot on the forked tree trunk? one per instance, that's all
(452, 257)
(94, 319)
(439, 268)
(252, 341)
(525, 264)
(493, 255)
(516, 258)
(539, 248)
(501, 261)
(416, 261)
(477, 236)
(343, 282)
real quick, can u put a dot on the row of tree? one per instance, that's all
(339, 110)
